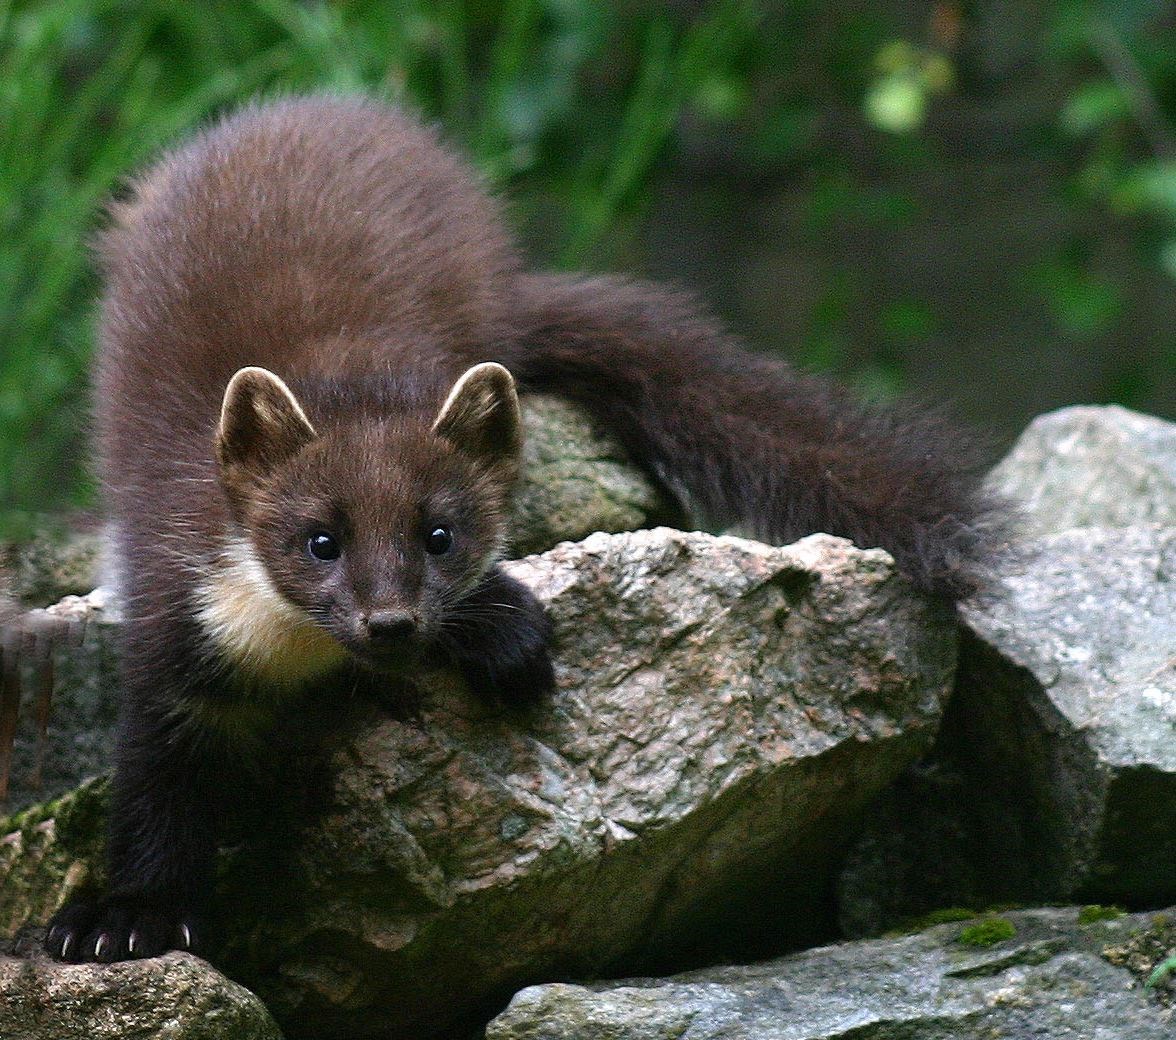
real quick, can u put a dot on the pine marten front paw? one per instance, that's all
(499, 638)
(119, 929)
(517, 674)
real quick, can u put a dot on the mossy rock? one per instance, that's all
(49, 852)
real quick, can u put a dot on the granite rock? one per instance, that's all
(725, 711)
(1054, 977)
(1054, 776)
(1091, 466)
(177, 996)
(576, 480)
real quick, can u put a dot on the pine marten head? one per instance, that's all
(359, 538)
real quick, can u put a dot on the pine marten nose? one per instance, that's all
(390, 626)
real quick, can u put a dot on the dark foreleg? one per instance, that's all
(161, 845)
(498, 636)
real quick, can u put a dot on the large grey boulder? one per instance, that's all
(177, 997)
(725, 711)
(1091, 466)
(1053, 977)
(1054, 777)
(1067, 713)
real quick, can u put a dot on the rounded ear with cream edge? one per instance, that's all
(481, 418)
(261, 426)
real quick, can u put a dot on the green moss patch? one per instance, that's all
(1095, 912)
(988, 932)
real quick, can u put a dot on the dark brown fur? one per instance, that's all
(336, 244)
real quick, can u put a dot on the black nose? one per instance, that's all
(390, 626)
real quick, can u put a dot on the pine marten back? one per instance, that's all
(312, 332)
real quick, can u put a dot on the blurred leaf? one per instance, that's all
(1092, 107)
(897, 103)
(1150, 186)
(880, 381)
(896, 58)
(1157, 186)
(1083, 304)
(1132, 16)
(1168, 257)
(938, 73)
(908, 75)
(906, 321)
(721, 98)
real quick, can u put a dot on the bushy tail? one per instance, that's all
(744, 441)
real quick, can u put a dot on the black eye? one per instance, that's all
(439, 541)
(323, 546)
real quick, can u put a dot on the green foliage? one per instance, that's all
(988, 932)
(570, 101)
(1081, 302)
(1124, 115)
(908, 77)
(1161, 972)
(573, 106)
(945, 915)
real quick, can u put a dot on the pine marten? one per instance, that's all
(311, 336)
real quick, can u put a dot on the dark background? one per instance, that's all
(971, 203)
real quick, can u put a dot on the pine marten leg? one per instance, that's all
(498, 636)
(161, 843)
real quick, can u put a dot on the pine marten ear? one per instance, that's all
(481, 417)
(261, 425)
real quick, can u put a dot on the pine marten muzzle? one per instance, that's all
(312, 328)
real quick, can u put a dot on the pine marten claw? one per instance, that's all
(118, 930)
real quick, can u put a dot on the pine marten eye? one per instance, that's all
(323, 546)
(439, 541)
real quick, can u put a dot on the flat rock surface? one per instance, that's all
(178, 997)
(1053, 978)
